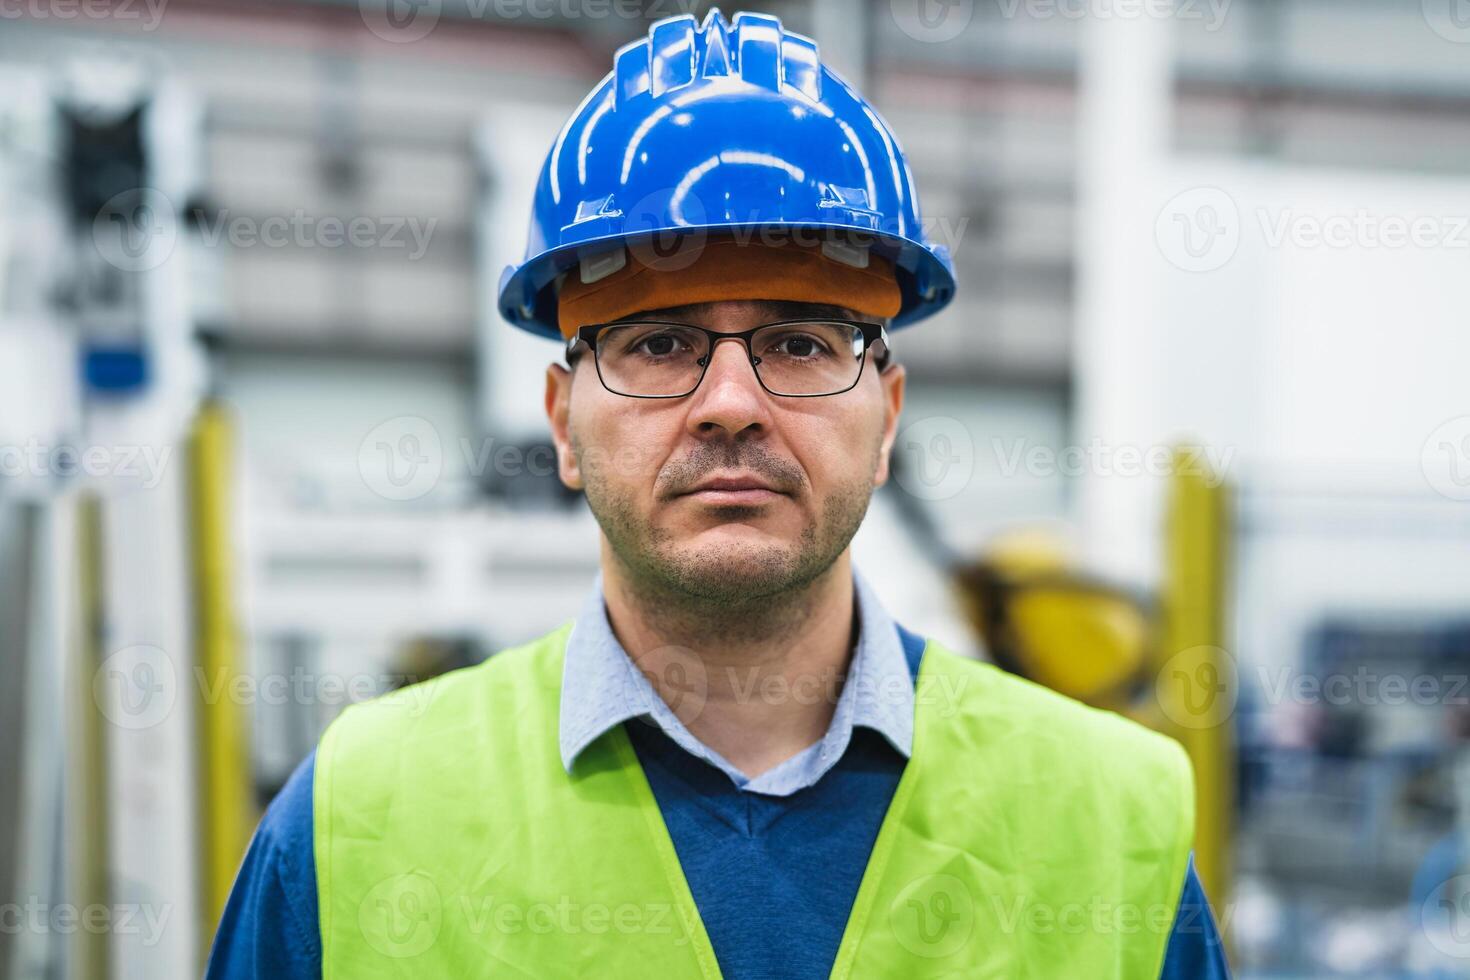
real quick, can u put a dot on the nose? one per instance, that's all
(730, 398)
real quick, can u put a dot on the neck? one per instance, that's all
(756, 682)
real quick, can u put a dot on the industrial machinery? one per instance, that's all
(113, 513)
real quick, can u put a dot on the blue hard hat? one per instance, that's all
(715, 128)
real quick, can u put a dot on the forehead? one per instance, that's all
(745, 311)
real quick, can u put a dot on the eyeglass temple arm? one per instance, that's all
(884, 356)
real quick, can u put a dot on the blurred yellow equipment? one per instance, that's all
(1045, 621)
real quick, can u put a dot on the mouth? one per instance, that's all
(744, 490)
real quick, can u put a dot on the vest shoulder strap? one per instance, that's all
(1029, 834)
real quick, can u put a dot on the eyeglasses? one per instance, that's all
(791, 358)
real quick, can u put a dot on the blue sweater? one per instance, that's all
(774, 877)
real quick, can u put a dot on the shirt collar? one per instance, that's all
(602, 688)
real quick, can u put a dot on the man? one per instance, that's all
(733, 763)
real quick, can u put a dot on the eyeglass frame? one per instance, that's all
(872, 333)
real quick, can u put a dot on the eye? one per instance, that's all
(799, 346)
(651, 342)
(659, 344)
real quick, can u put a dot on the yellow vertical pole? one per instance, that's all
(227, 805)
(88, 786)
(1196, 680)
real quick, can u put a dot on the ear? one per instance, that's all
(558, 410)
(892, 380)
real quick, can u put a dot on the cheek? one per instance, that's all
(616, 447)
(841, 449)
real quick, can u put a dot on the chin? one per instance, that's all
(737, 540)
(728, 539)
(733, 558)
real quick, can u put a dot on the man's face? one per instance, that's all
(795, 474)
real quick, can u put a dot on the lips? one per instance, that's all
(739, 489)
(732, 483)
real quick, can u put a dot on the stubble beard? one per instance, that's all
(736, 592)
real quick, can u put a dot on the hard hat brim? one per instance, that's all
(528, 292)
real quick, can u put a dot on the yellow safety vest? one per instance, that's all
(1029, 836)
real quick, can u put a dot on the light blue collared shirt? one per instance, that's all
(602, 688)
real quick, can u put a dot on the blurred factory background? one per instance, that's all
(1193, 442)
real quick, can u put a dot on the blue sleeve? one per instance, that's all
(269, 927)
(1195, 951)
